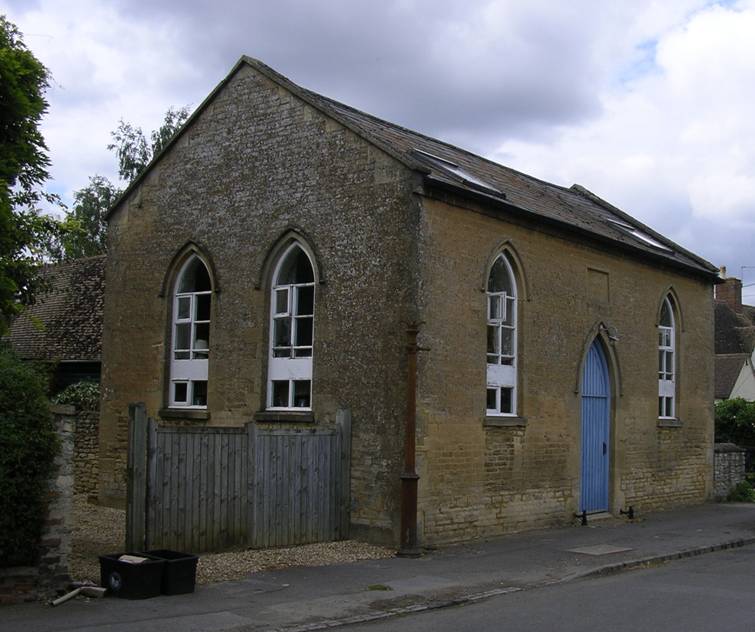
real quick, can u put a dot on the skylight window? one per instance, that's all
(459, 172)
(638, 234)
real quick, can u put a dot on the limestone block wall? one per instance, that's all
(86, 452)
(256, 164)
(480, 479)
(729, 466)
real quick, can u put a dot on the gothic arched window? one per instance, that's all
(667, 361)
(190, 346)
(502, 338)
(292, 309)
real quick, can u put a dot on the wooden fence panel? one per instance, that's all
(298, 485)
(136, 483)
(199, 489)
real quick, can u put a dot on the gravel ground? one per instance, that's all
(101, 530)
(96, 531)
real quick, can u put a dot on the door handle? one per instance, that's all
(604, 447)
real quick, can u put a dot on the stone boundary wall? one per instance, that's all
(32, 583)
(729, 468)
(86, 446)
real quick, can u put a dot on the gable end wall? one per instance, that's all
(254, 164)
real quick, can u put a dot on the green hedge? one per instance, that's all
(735, 422)
(28, 445)
(84, 395)
(742, 493)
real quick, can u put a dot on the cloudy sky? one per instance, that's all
(649, 104)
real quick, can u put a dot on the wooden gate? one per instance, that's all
(213, 488)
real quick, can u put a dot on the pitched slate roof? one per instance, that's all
(66, 321)
(503, 189)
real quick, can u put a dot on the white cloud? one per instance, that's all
(676, 144)
(104, 67)
(646, 102)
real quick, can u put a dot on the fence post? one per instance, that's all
(343, 421)
(251, 480)
(151, 483)
(136, 494)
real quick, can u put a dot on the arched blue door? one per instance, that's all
(596, 431)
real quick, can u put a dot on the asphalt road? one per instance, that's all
(712, 592)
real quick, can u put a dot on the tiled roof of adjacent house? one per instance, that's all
(727, 369)
(734, 343)
(65, 323)
(501, 188)
(735, 333)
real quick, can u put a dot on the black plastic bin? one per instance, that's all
(180, 572)
(131, 581)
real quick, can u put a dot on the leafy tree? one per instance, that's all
(85, 227)
(735, 421)
(133, 150)
(28, 445)
(24, 231)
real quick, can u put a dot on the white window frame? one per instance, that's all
(502, 373)
(667, 365)
(193, 369)
(292, 368)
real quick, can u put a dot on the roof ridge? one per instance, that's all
(52, 266)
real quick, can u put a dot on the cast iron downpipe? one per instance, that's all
(409, 477)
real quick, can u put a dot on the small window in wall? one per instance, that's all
(667, 362)
(501, 339)
(190, 345)
(292, 309)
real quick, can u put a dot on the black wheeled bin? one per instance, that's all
(131, 581)
(180, 571)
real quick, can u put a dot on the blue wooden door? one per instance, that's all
(596, 431)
